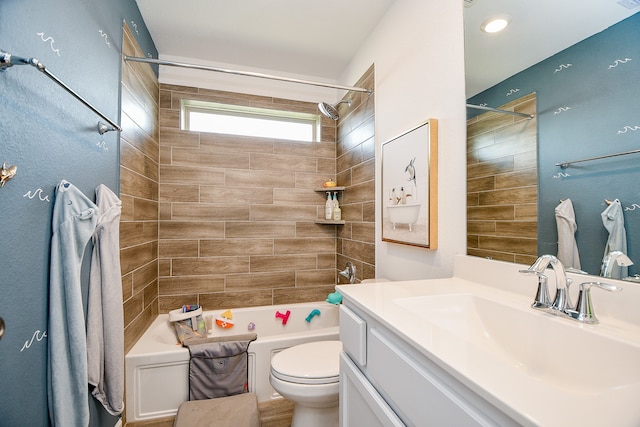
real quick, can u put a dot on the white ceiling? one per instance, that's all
(318, 38)
(312, 38)
(539, 29)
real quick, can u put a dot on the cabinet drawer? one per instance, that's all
(360, 403)
(353, 334)
(421, 393)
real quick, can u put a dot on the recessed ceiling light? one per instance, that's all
(495, 24)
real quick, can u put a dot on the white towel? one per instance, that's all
(613, 221)
(567, 246)
(105, 323)
(74, 221)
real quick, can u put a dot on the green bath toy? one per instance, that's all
(334, 298)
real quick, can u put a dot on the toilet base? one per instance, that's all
(305, 416)
(308, 375)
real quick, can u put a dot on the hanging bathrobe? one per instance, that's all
(613, 221)
(567, 227)
(74, 221)
(105, 323)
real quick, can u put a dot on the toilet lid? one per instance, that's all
(311, 363)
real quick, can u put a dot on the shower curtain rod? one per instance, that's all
(8, 60)
(496, 110)
(244, 73)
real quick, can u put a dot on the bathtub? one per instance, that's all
(403, 214)
(157, 367)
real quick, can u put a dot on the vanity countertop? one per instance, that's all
(539, 369)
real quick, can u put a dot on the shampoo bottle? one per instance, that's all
(337, 212)
(328, 207)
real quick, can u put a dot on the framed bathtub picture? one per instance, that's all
(410, 187)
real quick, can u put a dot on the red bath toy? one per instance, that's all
(284, 317)
(224, 320)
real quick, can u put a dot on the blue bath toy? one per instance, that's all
(314, 312)
(334, 298)
(251, 326)
(190, 307)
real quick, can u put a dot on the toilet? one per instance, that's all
(308, 375)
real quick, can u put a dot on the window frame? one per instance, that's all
(188, 106)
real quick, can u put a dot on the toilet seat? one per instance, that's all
(315, 362)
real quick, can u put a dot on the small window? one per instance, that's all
(202, 116)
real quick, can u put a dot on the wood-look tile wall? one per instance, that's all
(236, 221)
(356, 171)
(229, 221)
(502, 189)
(139, 153)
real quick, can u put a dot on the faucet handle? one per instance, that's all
(542, 299)
(349, 272)
(584, 309)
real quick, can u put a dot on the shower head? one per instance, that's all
(331, 111)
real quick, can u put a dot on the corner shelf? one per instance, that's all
(324, 190)
(330, 221)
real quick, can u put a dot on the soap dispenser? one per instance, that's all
(337, 212)
(328, 207)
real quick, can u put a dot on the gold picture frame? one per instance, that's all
(410, 187)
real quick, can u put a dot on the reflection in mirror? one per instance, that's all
(614, 265)
(583, 73)
(502, 184)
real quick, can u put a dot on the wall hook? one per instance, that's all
(6, 173)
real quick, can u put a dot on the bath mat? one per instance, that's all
(233, 411)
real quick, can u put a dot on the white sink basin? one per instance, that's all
(559, 352)
(538, 369)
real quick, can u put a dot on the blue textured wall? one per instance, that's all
(50, 136)
(588, 99)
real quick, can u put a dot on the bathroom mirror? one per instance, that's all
(409, 186)
(538, 31)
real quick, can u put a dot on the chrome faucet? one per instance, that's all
(610, 260)
(561, 305)
(562, 301)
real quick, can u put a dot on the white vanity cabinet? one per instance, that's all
(385, 381)
(360, 403)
